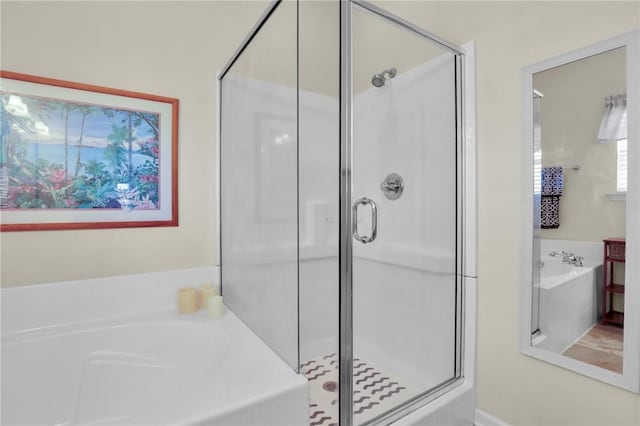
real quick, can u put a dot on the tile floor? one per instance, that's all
(601, 346)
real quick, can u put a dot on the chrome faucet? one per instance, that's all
(564, 254)
(568, 258)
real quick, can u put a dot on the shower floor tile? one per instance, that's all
(375, 391)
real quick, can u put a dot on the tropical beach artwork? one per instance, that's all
(79, 156)
(70, 155)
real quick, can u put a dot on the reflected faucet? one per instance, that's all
(568, 258)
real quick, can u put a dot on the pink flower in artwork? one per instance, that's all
(70, 202)
(149, 178)
(14, 192)
(144, 204)
(152, 144)
(27, 188)
(57, 176)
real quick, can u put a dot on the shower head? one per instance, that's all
(378, 80)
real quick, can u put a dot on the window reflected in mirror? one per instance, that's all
(580, 175)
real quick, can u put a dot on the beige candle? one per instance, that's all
(215, 307)
(187, 300)
(206, 291)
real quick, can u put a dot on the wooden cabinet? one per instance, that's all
(614, 252)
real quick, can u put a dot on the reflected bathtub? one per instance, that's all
(569, 302)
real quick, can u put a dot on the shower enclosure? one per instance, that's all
(347, 236)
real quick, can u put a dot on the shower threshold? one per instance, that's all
(374, 390)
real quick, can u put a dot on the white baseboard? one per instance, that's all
(485, 419)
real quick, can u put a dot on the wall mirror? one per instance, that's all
(580, 280)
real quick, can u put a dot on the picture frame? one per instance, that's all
(81, 156)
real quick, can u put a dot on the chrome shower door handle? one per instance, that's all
(374, 220)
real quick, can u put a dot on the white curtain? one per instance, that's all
(613, 127)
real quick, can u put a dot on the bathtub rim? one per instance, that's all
(552, 281)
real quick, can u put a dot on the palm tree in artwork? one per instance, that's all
(65, 111)
(134, 120)
(114, 153)
(85, 110)
(130, 142)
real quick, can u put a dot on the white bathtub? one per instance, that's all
(154, 368)
(554, 272)
(569, 304)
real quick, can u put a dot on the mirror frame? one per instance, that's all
(630, 377)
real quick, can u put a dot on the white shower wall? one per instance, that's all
(259, 209)
(404, 281)
(260, 260)
(406, 127)
(319, 196)
(406, 263)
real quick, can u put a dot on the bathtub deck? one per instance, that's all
(156, 368)
(375, 391)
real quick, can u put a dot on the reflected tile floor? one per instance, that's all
(601, 346)
(374, 392)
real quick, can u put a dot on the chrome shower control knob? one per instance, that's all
(392, 186)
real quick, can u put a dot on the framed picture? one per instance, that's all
(78, 156)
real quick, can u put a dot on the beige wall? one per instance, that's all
(570, 115)
(167, 48)
(182, 47)
(509, 36)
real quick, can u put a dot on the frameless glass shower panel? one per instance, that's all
(259, 184)
(404, 191)
(319, 109)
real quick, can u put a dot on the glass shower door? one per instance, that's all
(406, 283)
